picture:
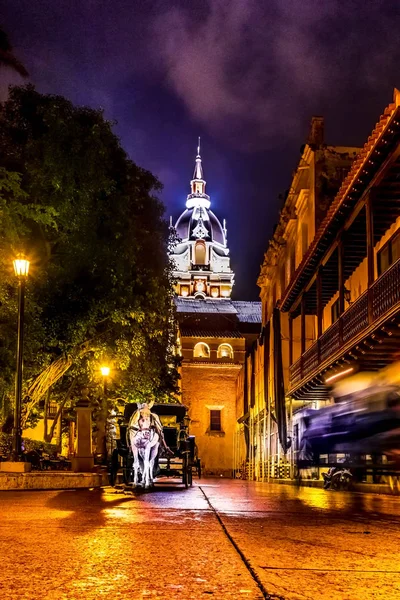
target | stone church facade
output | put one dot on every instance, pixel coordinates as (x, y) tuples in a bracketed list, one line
[(215, 332)]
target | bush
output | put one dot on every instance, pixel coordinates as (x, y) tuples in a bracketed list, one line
[(28, 444)]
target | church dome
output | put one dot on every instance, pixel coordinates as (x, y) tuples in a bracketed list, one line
[(200, 223)]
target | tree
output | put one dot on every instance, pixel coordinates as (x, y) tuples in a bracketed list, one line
[(88, 217)]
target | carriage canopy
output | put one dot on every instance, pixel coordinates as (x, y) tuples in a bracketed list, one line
[(166, 412)]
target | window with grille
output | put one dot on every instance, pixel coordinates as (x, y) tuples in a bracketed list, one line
[(215, 420)]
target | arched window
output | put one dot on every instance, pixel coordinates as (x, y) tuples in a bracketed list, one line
[(201, 350), (200, 253), (225, 351)]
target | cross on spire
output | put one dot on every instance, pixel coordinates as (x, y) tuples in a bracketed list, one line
[(198, 170)]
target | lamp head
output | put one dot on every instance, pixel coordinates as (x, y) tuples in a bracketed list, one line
[(105, 371), (21, 267)]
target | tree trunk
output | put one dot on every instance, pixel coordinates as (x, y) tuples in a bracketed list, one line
[(45, 417), (59, 434), (49, 376), (59, 411)]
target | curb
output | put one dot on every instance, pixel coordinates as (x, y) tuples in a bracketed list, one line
[(366, 488)]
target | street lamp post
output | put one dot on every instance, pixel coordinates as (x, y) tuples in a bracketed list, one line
[(105, 371), (21, 269)]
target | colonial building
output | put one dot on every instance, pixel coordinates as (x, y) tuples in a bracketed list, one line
[(214, 330), (293, 316), (347, 286)]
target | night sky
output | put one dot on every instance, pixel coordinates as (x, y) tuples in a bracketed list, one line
[(244, 75)]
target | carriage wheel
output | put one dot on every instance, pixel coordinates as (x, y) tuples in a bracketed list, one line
[(198, 466)]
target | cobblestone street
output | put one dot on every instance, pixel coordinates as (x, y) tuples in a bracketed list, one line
[(224, 539)]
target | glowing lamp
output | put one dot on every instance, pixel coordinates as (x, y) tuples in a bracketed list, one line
[(214, 292), (21, 267), (184, 290), (338, 375), (200, 286), (105, 371)]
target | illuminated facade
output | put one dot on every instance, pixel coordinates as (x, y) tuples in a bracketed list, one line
[(215, 331), (267, 433), (201, 256), (343, 300)]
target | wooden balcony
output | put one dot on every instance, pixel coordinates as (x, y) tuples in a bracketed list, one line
[(380, 300)]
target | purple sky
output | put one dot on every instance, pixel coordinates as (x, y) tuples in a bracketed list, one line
[(244, 75)]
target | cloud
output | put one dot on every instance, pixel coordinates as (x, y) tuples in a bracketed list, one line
[(254, 71)]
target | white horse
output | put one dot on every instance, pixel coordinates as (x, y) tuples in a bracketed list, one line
[(144, 440)]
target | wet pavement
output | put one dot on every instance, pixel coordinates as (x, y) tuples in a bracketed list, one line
[(220, 539)]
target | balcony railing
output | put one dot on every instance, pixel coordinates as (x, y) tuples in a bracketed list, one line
[(379, 299)]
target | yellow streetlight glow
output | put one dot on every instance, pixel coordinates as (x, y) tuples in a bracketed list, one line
[(21, 267), (105, 371), (340, 374)]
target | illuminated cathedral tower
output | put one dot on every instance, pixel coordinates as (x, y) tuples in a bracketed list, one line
[(201, 257)]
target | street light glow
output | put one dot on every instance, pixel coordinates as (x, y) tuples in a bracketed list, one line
[(340, 374), (105, 371), (21, 267)]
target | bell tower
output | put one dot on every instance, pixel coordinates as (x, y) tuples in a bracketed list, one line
[(201, 257)]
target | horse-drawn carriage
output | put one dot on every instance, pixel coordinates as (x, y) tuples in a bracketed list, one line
[(154, 442)]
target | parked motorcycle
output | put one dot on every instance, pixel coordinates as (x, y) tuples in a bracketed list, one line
[(337, 478)]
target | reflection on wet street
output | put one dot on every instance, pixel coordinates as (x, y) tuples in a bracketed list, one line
[(225, 539)]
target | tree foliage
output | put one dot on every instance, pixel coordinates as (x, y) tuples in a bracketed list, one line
[(100, 285)]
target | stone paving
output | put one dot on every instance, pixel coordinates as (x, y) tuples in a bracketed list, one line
[(220, 539)]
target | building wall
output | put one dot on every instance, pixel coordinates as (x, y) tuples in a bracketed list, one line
[(314, 185), (237, 345), (208, 387)]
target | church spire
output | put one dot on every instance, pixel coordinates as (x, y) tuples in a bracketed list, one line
[(198, 196), (198, 168)]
